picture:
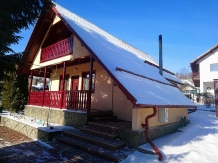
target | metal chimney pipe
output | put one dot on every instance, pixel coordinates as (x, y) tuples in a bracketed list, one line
[(160, 56)]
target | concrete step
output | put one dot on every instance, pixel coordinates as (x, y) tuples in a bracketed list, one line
[(104, 118), (99, 132), (109, 144), (111, 129), (93, 116), (83, 156), (96, 150), (100, 113)]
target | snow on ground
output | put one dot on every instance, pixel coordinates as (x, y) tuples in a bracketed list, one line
[(198, 142)]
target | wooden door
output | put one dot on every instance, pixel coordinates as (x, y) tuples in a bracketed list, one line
[(75, 93), (74, 83)]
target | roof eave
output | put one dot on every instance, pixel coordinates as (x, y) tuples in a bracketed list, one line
[(163, 106), (204, 54)]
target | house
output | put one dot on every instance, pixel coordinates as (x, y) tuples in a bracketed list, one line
[(189, 90), (205, 71), (92, 71)]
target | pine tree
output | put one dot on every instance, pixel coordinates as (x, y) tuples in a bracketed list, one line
[(15, 92), (19, 92), (14, 16), (7, 94)]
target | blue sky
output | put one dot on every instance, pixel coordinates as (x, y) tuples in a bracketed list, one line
[(188, 27)]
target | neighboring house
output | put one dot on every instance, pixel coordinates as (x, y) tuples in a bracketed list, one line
[(91, 70), (205, 70), (189, 90)]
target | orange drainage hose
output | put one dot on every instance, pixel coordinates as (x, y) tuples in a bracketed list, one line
[(147, 137)]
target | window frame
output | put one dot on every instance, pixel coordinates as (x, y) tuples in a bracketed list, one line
[(93, 84), (214, 67)]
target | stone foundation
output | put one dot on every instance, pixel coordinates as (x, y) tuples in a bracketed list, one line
[(33, 132), (136, 138), (58, 116)]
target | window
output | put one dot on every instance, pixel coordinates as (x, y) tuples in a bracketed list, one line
[(85, 85), (213, 67), (66, 87)]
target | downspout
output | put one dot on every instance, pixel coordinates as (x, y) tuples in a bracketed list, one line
[(193, 110), (147, 134)]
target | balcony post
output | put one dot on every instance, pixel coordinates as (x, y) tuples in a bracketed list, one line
[(30, 86), (44, 83), (63, 84), (90, 85)]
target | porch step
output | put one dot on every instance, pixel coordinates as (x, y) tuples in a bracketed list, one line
[(109, 144), (111, 129), (104, 118), (99, 115), (99, 132), (94, 149), (80, 155), (100, 112)]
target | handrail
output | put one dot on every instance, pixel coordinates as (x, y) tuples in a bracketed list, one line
[(71, 99)]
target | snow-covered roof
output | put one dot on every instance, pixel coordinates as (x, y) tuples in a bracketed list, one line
[(145, 84), (188, 81)]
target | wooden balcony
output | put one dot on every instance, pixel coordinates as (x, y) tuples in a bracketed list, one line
[(71, 99), (196, 79), (57, 50), (195, 76)]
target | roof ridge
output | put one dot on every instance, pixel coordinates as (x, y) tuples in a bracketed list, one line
[(109, 36)]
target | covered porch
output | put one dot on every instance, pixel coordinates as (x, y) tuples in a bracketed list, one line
[(77, 99)]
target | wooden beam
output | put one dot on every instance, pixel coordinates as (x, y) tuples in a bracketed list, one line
[(63, 84), (90, 84), (43, 91)]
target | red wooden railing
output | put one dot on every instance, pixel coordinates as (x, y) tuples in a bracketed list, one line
[(71, 99), (57, 50)]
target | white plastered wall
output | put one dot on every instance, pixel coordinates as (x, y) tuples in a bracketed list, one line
[(206, 77)]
